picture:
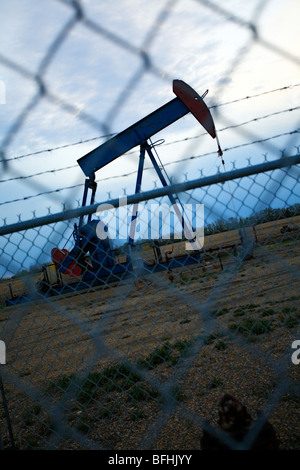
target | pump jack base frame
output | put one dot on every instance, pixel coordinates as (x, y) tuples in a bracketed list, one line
[(119, 273)]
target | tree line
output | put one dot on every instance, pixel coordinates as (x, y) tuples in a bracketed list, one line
[(257, 218)]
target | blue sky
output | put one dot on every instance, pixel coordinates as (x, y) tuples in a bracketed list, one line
[(115, 65)]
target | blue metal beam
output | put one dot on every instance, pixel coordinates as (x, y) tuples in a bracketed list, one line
[(135, 135)]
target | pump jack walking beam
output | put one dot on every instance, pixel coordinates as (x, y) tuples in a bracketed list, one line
[(187, 101)]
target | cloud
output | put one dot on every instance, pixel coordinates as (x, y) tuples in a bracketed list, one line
[(104, 76)]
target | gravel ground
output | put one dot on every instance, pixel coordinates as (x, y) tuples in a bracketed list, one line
[(186, 343)]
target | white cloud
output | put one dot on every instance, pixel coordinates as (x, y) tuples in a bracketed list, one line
[(90, 71)]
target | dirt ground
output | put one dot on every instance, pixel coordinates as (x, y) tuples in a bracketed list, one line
[(143, 364)]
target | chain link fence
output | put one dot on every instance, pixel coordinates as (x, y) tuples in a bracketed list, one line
[(137, 358), (148, 345)]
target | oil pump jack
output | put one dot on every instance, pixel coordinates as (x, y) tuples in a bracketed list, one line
[(102, 265)]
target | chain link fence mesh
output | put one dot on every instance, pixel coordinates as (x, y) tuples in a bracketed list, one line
[(138, 355)]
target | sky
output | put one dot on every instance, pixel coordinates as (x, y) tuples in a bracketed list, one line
[(71, 78)]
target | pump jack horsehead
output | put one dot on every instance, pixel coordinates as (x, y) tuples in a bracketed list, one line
[(103, 265)]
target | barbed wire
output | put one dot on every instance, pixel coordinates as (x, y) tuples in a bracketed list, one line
[(105, 136), (193, 157)]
